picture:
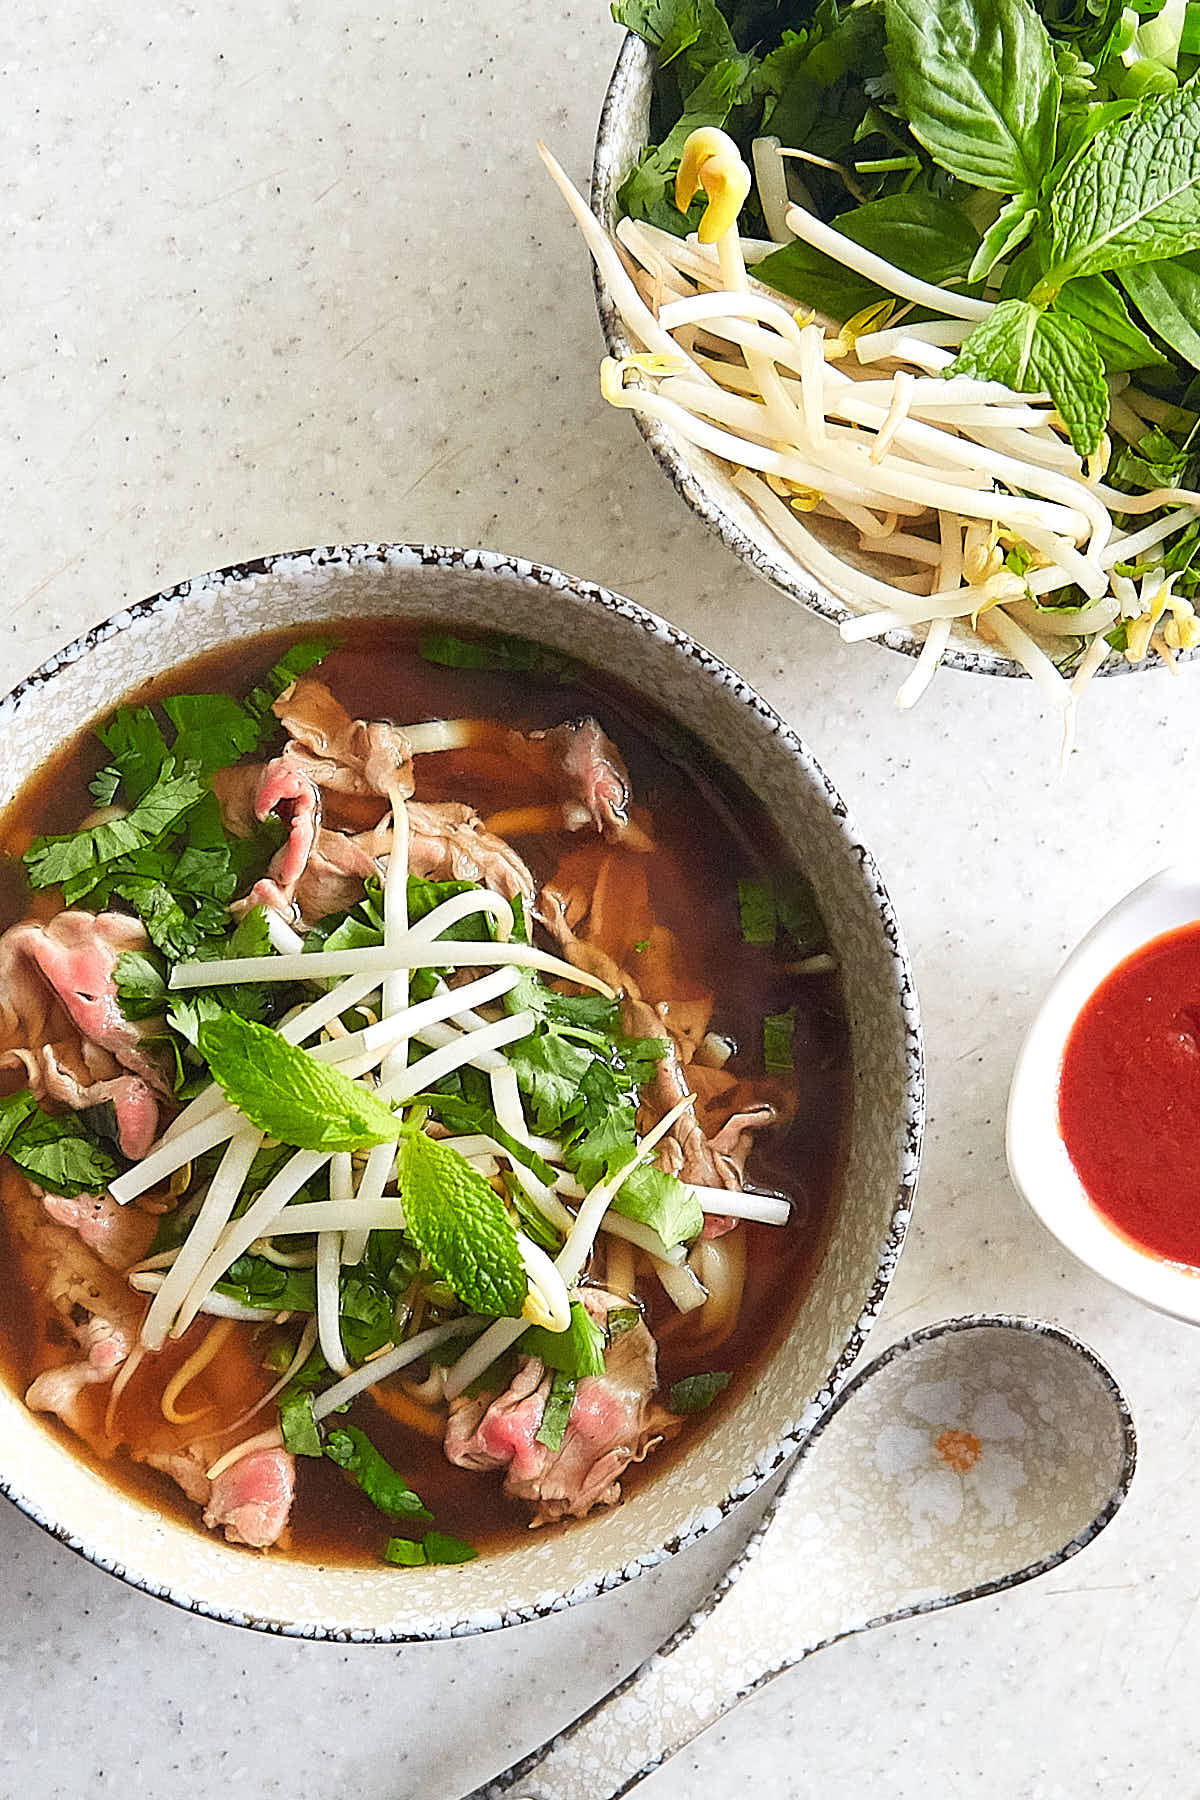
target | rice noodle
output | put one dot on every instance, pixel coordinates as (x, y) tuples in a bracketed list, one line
[(187, 1372)]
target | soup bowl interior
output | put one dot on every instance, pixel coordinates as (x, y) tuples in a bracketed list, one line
[(702, 479), (479, 591)]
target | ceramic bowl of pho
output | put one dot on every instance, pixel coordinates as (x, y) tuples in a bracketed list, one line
[(826, 451), (461, 1108)]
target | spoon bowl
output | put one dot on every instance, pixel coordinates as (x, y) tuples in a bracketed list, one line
[(969, 1457)]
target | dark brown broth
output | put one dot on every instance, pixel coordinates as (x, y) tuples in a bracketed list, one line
[(709, 829)]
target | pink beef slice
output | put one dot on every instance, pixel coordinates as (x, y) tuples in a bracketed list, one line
[(589, 773), (247, 794), (250, 1501), (90, 1300), (345, 755), (614, 1421), (62, 1024)]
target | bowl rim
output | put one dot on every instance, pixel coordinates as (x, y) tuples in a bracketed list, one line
[(973, 659), (909, 1125), (1038, 1160)]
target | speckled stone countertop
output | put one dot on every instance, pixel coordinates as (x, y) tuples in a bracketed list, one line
[(283, 275)]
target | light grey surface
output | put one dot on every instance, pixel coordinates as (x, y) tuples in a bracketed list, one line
[(286, 275)]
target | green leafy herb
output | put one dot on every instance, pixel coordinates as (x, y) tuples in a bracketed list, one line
[(436, 1547), (927, 235), (1098, 305), (660, 1201), (1031, 350), (51, 861), (756, 902), (461, 1227), (557, 1414), (979, 87), (354, 1452), (1167, 294), (799, 913), (293, 663), (298, 1424), (619, 1320), (577, 1351), (505, 655), (778, 1031), (289, 1094), (60, 1154), (1155, 461), (1131, 195), (695, 1392), (257, 1281)]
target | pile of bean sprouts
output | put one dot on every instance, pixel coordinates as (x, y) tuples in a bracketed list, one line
[(932, 481)]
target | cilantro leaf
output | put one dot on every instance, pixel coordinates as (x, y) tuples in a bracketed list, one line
[(461, 1227), (1031, 350), (298, 1424), (577, 1351), (212, 730), (978, 84), (141, 983), (292, 664), (353, 1451), (258, 1282), (695, 1392), (756, 902), (289, 1094), (652, 1197), (556, 1415), (137, 747), (549, 1071), (464, 1118), (59, 1154)]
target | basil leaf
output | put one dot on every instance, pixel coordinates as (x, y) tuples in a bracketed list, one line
[(58, 1153), (353, 1451), (695, 1392), (461, 1227), (1131, 195), (298, 1424), (557, 1413), (577, 1351), (1122, 344), (14, 1110), (290, 1095), (919, 232), (977, 82), (1029, 351), (1167, 294)]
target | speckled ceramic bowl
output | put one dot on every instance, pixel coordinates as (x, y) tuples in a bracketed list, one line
[(699, 478), (477, 589)]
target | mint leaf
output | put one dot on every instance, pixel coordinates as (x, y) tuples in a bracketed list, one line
[(652, 1197), (353, 1451), (461, 1227), (977, 82), (298, 1424), (695, 1392), (1167, 294), (1030, 350), (1122, 344), (1131, 195), (289, 1094), (577, 1351), (556, 1415)]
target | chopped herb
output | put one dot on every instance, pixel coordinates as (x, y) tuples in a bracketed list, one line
[(354, 1452), (295, 662), (695, 1392), (577, 1351), (257, 1281), (621, 1319), (437, 1547), (778, 1031), (756, 901), (59, 1153), (641, 945), (557, 1413), (662, 1202), (505, 655), (298, 1424)]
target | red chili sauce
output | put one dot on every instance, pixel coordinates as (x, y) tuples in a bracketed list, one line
[(1129, 1097)]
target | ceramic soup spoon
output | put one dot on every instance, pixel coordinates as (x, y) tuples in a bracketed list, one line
[(973, 1455)]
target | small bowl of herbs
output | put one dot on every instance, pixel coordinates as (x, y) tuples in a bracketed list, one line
[(902, 295)]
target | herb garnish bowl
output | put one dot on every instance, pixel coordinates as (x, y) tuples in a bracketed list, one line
[(704, 481), (479, 591)]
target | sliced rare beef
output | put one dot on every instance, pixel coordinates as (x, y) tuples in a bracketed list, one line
[(614, 1421), (62, 1024)]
